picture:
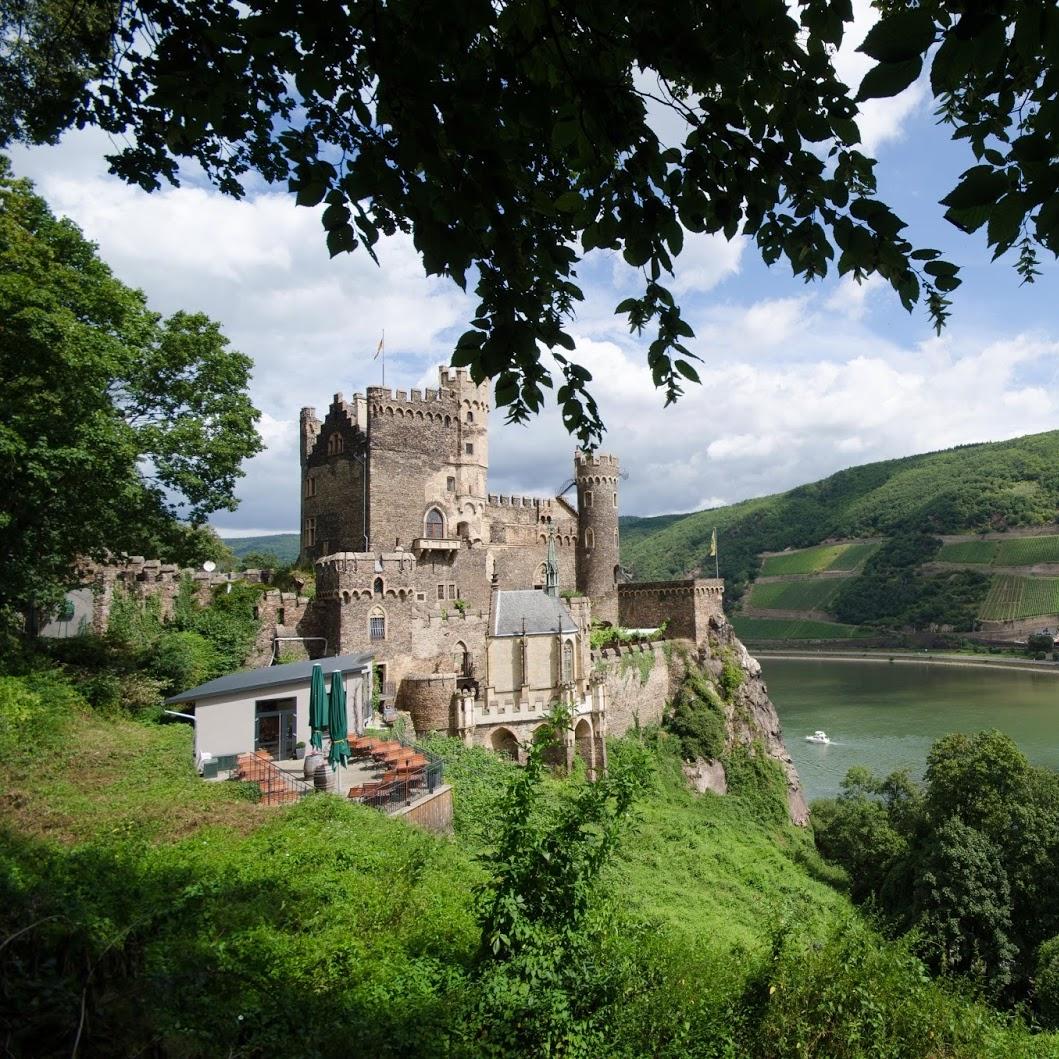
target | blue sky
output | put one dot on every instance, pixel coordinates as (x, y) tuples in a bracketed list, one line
[(798, 381)]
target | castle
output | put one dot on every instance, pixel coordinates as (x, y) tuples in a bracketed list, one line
[(476, 607)]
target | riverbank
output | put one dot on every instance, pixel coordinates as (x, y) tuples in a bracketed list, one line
[(940, 658)]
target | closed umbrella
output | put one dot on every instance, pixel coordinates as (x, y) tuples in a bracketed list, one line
[(318, 707), (339, 753)]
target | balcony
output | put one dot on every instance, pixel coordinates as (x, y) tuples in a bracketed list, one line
[(436, 544)]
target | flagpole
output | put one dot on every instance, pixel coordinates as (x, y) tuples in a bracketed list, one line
[(382, 346)]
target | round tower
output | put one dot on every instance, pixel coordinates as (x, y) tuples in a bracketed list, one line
[(598, 567)]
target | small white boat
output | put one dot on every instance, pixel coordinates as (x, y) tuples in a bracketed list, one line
[(817, 737)]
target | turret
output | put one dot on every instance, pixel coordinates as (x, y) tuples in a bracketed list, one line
[(310, 430), (598, 566)]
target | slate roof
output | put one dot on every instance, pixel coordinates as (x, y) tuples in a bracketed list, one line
[(269, 676), (542, 613)]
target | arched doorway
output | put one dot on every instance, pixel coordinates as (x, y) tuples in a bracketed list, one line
[(584, 744), (554, 755), (504, 742)]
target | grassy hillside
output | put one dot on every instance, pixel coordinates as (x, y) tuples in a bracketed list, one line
[(973, 487), (284, 546), (146, 912)]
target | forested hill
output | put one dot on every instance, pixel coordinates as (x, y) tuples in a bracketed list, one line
[(990, 486)]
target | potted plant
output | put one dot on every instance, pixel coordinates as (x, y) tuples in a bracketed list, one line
[(299, 751)]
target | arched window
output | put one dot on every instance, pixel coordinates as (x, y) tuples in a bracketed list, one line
[(617, 574), (463, 529), (335, 444), (461, 659), (568, 662), (377, 624), (377, 588), (590, 539), (470, 417), (435, 524), (541, 576)]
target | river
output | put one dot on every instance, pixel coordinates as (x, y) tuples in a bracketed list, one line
[(886, 716)]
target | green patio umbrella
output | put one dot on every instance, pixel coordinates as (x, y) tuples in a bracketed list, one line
[(339, 753), (317, 707)]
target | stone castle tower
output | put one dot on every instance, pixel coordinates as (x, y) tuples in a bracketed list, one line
[(598, 563), (376, 467)]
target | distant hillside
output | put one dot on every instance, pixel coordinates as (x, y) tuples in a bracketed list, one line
[(991, 486), (284, 546)]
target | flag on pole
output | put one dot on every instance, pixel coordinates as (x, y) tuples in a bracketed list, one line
[(713, 543), (379, 348)]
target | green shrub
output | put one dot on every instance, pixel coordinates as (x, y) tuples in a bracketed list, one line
[(182, 660), (696, 717), (1047, 983), (758, 779)]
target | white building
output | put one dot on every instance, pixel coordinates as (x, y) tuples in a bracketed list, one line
[(268, 709)]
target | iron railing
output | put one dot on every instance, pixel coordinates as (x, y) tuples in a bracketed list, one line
[(401, 792), (277, 787)]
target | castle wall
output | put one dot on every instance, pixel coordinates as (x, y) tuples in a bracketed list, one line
[(686, 605), (640, 680), (143, 579)]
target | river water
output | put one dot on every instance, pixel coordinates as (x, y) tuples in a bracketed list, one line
[(886, 715)]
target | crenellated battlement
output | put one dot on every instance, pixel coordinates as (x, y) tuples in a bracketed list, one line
[(542, 502), (595, 460)]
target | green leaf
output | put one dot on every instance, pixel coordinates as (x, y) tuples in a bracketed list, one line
[(569, 202), (980, 186), (341, 240), (471, 340), (686, 370), (887, 79), (899, 37)]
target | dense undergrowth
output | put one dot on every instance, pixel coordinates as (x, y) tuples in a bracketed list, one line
[(143, 911)]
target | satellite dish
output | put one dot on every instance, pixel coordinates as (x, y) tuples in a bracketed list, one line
[(209, 566)]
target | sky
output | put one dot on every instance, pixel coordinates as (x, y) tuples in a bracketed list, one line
[(798, 381)]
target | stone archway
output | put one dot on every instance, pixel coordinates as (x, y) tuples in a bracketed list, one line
[(554, 755), (503, 741), (585, 744)]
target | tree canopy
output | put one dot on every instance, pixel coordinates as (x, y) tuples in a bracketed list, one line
[(966, 860), (118, 430), (513, 138)]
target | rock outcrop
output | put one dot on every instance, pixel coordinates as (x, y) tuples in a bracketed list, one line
[(750, 717)]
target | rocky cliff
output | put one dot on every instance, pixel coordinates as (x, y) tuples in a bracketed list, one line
[(750, 719)]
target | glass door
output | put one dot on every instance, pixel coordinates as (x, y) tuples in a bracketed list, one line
[(276, 727), (268, 733)]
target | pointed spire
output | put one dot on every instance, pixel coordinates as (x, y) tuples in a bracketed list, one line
[(551, 568)]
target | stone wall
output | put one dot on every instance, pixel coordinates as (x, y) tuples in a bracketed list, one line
[(688, 606), (641, 679), (428, 700), (143, 579)]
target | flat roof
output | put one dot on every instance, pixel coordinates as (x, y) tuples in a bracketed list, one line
[(531, 611), (270, 676)]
